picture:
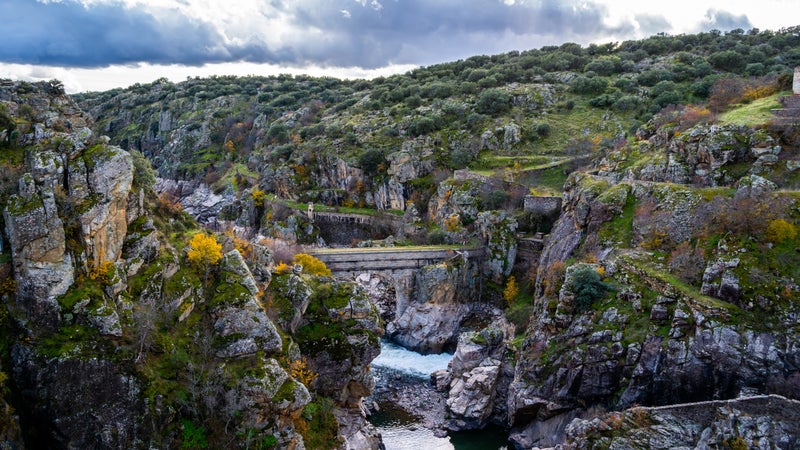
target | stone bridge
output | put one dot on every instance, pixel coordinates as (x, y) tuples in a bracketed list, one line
[(353, 261)]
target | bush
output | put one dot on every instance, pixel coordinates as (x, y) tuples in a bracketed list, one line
[(587, 286), (543, 130), (727, 60), (494, 101), (437, 237), (422, 125), (626, 103), (312, 265), (780, 230), (687, 263), (553, 279), (586, 85), (653, 76), (372, 162), (193, 436)]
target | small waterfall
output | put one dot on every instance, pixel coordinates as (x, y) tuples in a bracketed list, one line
[(397, 358), (403, 430)]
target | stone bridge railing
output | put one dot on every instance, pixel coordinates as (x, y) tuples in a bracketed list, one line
[(333, 217), (352, 261)]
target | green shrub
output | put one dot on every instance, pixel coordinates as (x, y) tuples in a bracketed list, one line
[(494, 101), (193, 436), (437, 237), (586, 85), (587, 286)]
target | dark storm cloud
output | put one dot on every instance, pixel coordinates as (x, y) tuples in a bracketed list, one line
[(723, 20), (420, 31), (345, 32), (69, 34)]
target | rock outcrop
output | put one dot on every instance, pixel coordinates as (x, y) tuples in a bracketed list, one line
[(477, 378), (441, 301), (650, 341), (749, 422)]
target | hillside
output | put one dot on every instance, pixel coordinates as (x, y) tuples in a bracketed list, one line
[(614, 227)]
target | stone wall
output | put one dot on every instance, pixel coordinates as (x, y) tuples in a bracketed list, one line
[(349, 262), (545, 206)]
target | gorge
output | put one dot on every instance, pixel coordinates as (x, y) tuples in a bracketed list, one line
[(599, 253)]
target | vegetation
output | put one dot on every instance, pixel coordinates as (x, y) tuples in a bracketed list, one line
[(312, 265), (204, 252), (587, 286)]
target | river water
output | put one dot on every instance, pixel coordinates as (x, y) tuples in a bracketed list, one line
[(403, 431)]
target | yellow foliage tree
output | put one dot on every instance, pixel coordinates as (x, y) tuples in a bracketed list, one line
[(780, 230), (312, 265), (205, 251), (511, 291), (452, 223)]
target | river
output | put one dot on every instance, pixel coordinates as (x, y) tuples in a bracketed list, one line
[(403, 431)]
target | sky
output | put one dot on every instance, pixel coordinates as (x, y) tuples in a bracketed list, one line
[(93, 45)]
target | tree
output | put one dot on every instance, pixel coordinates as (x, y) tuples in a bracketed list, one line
[(205, 251), (372, 162), (312, 265), (511, 291), (587, 286)]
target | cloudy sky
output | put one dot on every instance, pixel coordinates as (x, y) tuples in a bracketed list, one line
[(101, 44)]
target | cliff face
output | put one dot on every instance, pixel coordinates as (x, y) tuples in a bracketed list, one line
[(646, 295), (119, 341)]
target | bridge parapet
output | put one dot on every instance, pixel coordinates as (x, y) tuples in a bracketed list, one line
[(343, 262)]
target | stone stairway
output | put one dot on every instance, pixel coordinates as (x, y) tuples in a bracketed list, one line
[(790, 113)]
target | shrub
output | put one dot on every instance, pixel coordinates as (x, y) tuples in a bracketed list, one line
[(587, 286), (193, 436), (626, 103), (102, 271), (300, 371), (687, 263), (312, 265), (554, 278), (452, 223), (543, 130), (258, 196), (727, 60), (372, 162), (144, 176), (780, 230), (437, 237), (511, 291), (282, 268), (586, 85), (494, 101), (422, 125)]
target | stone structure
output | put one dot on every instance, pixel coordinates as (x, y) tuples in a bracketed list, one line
[(545, 206), (796, 81), (345, 262)]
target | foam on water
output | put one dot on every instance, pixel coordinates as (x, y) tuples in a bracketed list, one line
[(398, 358)]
